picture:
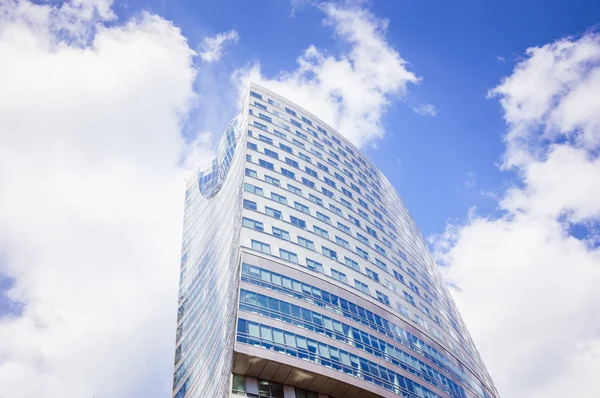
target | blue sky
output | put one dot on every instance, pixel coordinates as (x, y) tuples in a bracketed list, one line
[(484, 115), (453, 47)]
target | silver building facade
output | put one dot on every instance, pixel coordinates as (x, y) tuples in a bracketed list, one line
[(303, 274)]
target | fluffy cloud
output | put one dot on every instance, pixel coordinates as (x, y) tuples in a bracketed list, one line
[(528, 284), (90, 210), (425, 110), (349, 92), (211, 48)]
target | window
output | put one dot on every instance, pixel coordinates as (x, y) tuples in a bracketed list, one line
[(372, 232), (250, 223), (280, 233), (297, 222), (425, 310), (295, 190), (342, 242), (315, 152), (254, 189), (273, 212), (271, 180), (323, 217), (286, 255), (344, 228), (428, 299), (346, 192), (280, 134), (303, 136), (357, 189), (354, 220), (261, 247), (291, 112), (352, 264), (291, 162), (329, 182), (378, 225), (265, 139), (308, 183), (259, 105), (298, 143), (336, 210), (387, 243), (323, 167), (346, 203), (315, 199), (370, 199), (305, 120), (304, 157), (339, 177), (288, 173), (339, 276), (248, 204), (311, 172), (252, 145), (380, 264), (362, 253), (409, 298), (373, 275), (286, 148), (421, 321), (321, 232), (306, 243), (403, 310), (260, 126), (329, 253), (313, 265), (327, 192), (362, 238), (251, 173), (363, 287), (380, 250), (295, 123), (398, 276), (378, 215), (363, 203), (411, 272), (413, 287), (318, 145), (255, 95), (363, 214), (271, 153), (301, 207), (382, 297), (265, 164)]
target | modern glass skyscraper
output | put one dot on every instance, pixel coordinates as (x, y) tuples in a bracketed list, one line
[(303, 274)]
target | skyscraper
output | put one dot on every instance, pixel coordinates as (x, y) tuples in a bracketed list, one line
[(303, 274)]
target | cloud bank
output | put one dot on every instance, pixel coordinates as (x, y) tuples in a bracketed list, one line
[(528, 281), (90, 210)]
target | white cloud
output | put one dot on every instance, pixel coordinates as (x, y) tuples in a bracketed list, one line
[(211, 48), (470, 179), (500, 59), (528, 286), (425, 110), (350, 92), (91, 203)]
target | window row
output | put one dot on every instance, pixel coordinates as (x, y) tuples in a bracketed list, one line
[(272, 338)]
